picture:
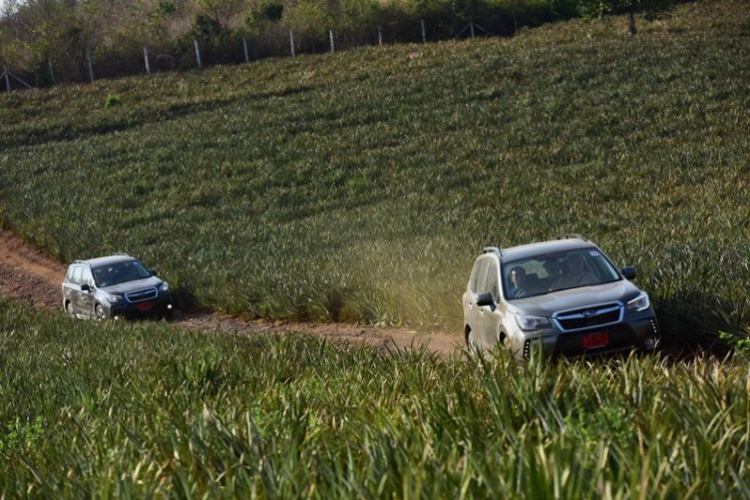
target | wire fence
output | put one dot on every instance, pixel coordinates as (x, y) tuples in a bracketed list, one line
[(197, 53)]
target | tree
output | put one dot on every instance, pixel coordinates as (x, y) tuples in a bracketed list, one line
[(652, 9)]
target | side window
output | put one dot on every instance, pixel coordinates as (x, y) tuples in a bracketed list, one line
[(78, 275), (87, 279), (474, 275), (482, 278), (492, 282)]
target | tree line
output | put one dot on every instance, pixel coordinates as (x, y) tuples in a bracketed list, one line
[(50, 41)]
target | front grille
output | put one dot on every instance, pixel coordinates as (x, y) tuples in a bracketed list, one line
[(141, 295), (590, 317)]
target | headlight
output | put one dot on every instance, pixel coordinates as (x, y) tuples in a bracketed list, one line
[(113, 298), (164, 287), (640, 303), (528, 323)]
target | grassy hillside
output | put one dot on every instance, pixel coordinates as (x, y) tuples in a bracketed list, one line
[(360, 186), (113, 409)]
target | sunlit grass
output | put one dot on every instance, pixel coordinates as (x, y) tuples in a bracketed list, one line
[(144, 409)]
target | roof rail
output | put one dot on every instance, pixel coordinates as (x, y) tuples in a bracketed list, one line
[(571, 236), (496, 250)]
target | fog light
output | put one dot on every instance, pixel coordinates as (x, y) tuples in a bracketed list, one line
[(650, 342), (116, 318), (169, 306)]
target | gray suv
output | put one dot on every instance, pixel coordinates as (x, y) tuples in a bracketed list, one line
[(561, 297), (117, 286)]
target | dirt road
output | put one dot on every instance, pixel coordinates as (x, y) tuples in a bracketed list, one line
[(27, 274)]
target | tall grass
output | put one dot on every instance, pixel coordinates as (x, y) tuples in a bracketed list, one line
[(144, 409), (360, 186)]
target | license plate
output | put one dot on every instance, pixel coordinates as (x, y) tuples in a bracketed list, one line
[(145, 306), (594, 340)]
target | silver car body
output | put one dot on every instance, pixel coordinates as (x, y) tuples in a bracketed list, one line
[(574, 321)]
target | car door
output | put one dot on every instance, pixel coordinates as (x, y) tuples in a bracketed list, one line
[(489, 316), (75, 289), (471, 310), (480, 313), (86, 300)]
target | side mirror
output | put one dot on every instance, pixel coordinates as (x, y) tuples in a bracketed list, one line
[(629, 272), (154, 272), (85, 287), (485, 299)]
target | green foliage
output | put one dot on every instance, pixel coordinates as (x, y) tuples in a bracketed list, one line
[(146, 410), (158, 19), (359, 187), (740, 344), (112, 100), (20, 437), (651, 9)]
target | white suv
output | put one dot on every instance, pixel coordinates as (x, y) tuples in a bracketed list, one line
[(561, 297)]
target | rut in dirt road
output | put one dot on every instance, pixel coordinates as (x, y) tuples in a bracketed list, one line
[(29, 275)]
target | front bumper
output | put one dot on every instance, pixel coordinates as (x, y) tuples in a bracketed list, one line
[(160, 306), (642, 333)]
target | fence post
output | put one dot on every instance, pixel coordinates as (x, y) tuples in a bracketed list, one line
[(51, 71), (244, 48), (471, 28), (197, 53), (333, 47), (91, 67), (380, 35), (145, 59), (291, 41), (424, 31), (7, 78)]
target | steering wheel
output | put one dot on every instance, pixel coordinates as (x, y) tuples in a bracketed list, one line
[(521, 292)]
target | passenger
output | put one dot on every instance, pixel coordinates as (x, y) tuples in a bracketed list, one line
[(554, 270), (518, 279), (577, 273)]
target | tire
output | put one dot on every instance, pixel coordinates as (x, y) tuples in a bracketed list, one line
[(99, 310), (69, 309), (471, 344)]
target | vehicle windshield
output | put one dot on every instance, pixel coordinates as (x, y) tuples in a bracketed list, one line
[(542, 274), (120, 272)]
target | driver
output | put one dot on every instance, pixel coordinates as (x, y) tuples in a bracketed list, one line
[(518, 278)]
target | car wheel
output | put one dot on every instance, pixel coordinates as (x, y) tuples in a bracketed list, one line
[(100, 312), (471, 344), (69, 309)]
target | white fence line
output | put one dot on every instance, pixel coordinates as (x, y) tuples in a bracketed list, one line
[(471, 27)]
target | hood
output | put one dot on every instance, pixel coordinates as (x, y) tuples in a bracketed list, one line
[(132, 286), (575, 298)]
